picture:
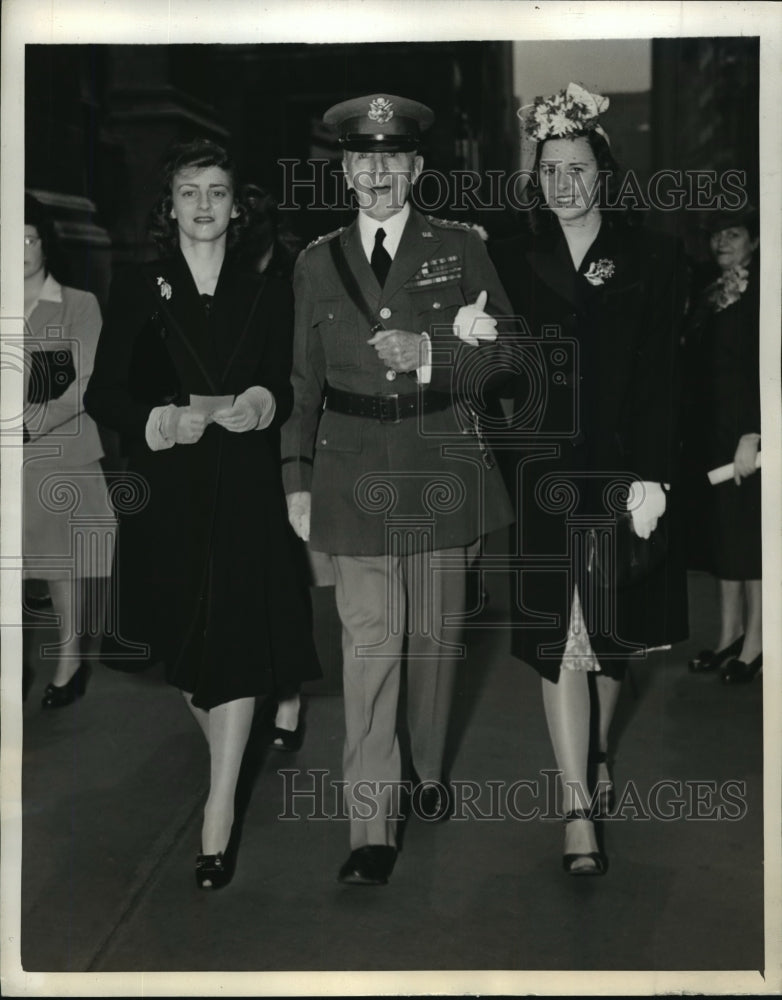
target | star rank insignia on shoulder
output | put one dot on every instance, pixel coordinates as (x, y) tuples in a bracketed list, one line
[(449, 223), (326, 236)]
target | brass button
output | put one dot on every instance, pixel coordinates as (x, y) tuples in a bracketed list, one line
[(390, 374), (331, 315), (385, 312), (435, 305)]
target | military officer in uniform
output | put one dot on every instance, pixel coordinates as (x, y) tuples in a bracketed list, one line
[(383, 467)]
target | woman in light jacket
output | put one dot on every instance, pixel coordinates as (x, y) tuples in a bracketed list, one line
[(68, 523)]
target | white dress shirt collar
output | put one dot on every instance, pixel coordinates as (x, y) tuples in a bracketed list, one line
[(393, 226), (51, 291)]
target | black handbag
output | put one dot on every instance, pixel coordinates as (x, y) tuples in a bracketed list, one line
[(634, 558), (51, 372)]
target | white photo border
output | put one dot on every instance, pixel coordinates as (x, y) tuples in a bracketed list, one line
[(264, 21)]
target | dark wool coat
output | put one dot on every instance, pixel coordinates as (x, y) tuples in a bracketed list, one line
[(419, 482), (595, 403), (724, 404), (205, 572)]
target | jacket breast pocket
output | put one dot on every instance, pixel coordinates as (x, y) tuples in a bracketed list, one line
[(336, 323), (436, 305)]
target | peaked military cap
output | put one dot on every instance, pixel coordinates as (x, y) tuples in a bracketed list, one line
[(380, 122)]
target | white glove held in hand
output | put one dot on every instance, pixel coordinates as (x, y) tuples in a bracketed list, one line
[(299, 506), (181, 425), (646, 504), (252, 410), (473, 325)]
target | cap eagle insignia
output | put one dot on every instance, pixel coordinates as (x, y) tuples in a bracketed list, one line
[(380, 110)]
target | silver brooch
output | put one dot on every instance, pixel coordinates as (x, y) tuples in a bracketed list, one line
[(380, 110), (165, 288)]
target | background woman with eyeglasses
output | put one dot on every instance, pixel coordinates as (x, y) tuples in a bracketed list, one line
[(724, 422), (68, 523)]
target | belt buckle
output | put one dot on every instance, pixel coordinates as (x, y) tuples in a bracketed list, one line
[(388, 414)]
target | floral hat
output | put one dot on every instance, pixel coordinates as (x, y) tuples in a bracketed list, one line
[(566, 114)]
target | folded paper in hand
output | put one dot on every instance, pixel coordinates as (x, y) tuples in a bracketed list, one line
[(209, 405), (725, 472)]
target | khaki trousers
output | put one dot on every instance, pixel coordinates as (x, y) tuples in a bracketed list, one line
[(390, 607)]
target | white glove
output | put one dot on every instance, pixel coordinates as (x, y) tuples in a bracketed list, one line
[(299, 506), (170, 425), (473, 325), (646, 504), (252, 410)]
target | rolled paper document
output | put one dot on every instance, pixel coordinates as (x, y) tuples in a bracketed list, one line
[(725, 472)]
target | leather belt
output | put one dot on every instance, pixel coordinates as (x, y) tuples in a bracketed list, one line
[(389, 409)]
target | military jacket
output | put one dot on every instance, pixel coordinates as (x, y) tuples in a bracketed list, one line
[(380, 486)]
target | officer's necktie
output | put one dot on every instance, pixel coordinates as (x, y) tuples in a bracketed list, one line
[(381, 259)]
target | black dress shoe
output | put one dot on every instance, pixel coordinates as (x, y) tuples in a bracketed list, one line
[(572, 863), (432, 801), (738, 672), (59, 696), (36, 594), (212, 871), (289, 739), (708, 661), (369, 865)]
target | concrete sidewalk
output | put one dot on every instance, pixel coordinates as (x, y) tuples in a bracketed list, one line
[(114, 787)]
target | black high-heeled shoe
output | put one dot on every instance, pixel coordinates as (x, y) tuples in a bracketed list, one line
[(707, 660), (736, 671), (599, 864), (58, 696), (290, 739), (212, 871), (603, 796)]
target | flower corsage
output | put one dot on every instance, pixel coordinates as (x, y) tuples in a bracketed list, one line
[(165, 288), (599, 271), (728, 288)]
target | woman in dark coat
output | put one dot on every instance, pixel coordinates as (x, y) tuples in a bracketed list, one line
[(192, 369), (723, 344), (593, 439)]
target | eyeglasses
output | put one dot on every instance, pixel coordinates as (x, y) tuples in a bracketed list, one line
[(32, 241)]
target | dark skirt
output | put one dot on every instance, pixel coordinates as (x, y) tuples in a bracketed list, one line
[(206, 577), (623, 623), (735, 536)]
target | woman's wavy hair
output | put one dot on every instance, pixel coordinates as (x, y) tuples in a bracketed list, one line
[(610, 176), (195, 155), (36, 214)]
